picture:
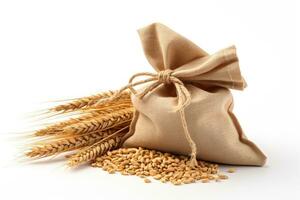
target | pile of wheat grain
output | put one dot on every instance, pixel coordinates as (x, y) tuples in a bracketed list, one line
[(165, 167)]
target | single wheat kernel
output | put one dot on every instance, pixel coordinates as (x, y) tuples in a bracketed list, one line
[(178, 182), (157, 177), (205, 181), (163, 180), (203, 176), (231, 170), (222, 176), (146, 180), (186, 181), (174, 182), (211, 177), (124, 173)]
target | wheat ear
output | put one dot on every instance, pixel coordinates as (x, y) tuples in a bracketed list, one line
[(90, 153), (85, 116), (88, 101), (103, 122), (67, 143)]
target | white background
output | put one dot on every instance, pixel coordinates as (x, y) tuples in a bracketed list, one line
[(62, 49)]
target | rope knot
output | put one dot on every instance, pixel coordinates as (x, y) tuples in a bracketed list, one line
[(165, 76)]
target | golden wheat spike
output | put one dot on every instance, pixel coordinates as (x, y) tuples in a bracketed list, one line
[(85, 116), (98, 149), (88, 101), (102, 122), (68, 143)]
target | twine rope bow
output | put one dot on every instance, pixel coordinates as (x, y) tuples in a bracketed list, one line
[(157, 79)]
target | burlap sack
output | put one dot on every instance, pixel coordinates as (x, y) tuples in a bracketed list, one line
[(212, 126)]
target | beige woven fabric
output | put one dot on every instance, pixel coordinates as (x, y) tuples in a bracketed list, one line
[(210, 121)]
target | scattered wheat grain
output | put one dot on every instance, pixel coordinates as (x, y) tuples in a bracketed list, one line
[(165, 167)]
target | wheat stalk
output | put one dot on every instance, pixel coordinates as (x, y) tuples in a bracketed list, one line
[(108, 104), (102, 122), (67, 143), (90, 153), (85, 116), (89, 101)]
